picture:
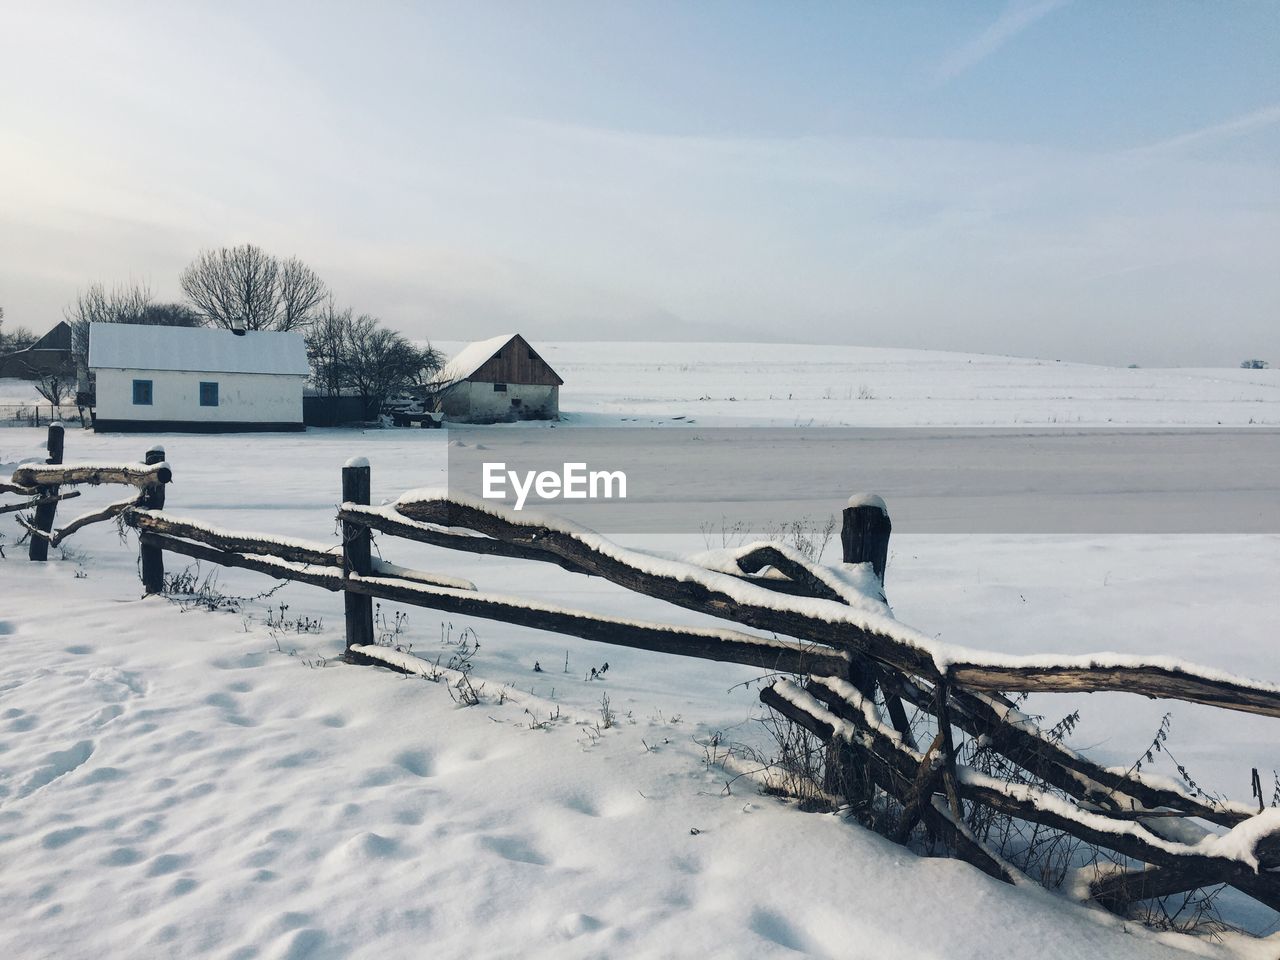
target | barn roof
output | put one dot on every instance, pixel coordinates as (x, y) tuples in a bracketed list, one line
[(126, 346), (468, 361)]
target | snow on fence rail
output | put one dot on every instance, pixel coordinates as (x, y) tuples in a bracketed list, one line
[(830, 628)]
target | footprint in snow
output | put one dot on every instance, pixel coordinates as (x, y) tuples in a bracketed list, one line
[(367, 846), (418, 762), (774, 927), (56, 765), (576, 924), (514, 849)]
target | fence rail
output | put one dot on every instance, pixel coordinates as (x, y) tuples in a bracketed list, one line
[(36, 413), (830, 629)]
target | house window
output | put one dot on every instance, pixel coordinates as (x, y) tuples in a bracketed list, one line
[(208, 394), (499, 388), (142, 393)]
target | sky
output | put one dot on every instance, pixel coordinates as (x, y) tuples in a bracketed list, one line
[(1069, 180)]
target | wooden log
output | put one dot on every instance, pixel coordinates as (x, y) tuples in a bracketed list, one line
[(920, 795), (438, 536), (110, 511), (235, 541), (942, 710), (1148, 680), (727, 646), (1135, 841), (967, 847), (357, 545), (51, 475), (151, 558), (30, 504), (802, 579), (1119, 890), (42, 522), (698, 589), (890, 684), (7, 487), (982, 715)]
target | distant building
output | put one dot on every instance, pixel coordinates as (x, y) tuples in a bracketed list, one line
[(1254, 365), (48, 356), (498, 380), (195, 379)]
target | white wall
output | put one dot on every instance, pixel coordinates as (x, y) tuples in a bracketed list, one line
[(175, 395), (479, 402)]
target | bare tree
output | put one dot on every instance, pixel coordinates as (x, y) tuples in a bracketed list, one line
[(18, 338), (430, 362), (327, 347), (122, 304), (56, 387), (301, 293), (170, 315), (246, 288), (378, 362)]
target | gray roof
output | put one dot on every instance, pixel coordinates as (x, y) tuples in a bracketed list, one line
[(126, 346)]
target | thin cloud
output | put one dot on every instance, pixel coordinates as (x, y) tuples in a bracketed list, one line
[(1235, 127), (1016, 18)]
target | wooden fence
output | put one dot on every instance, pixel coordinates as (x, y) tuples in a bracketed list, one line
[(855, 677)]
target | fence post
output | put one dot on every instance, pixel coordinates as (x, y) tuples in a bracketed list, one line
[(152, 557), (865, 533), (864, 537), (357, 553), (39, 549)]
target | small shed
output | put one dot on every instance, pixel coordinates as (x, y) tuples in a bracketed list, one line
[(195, 379), (498, 380)]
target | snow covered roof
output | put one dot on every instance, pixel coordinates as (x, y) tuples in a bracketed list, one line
[(125, 346), (471, 358)]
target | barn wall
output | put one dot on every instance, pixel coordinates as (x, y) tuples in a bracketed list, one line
[(243, 398), (476, 401)]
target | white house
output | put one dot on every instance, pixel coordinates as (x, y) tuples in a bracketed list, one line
[(499, 379), (197, 379)]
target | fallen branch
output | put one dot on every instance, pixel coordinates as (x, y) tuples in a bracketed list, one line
[(55, 498), (108, 512)]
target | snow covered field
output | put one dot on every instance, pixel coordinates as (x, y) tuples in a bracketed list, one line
[(186, 783), (774, 384)]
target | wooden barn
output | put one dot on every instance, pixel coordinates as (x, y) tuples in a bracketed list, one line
[(498, 380), (48, 356)]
